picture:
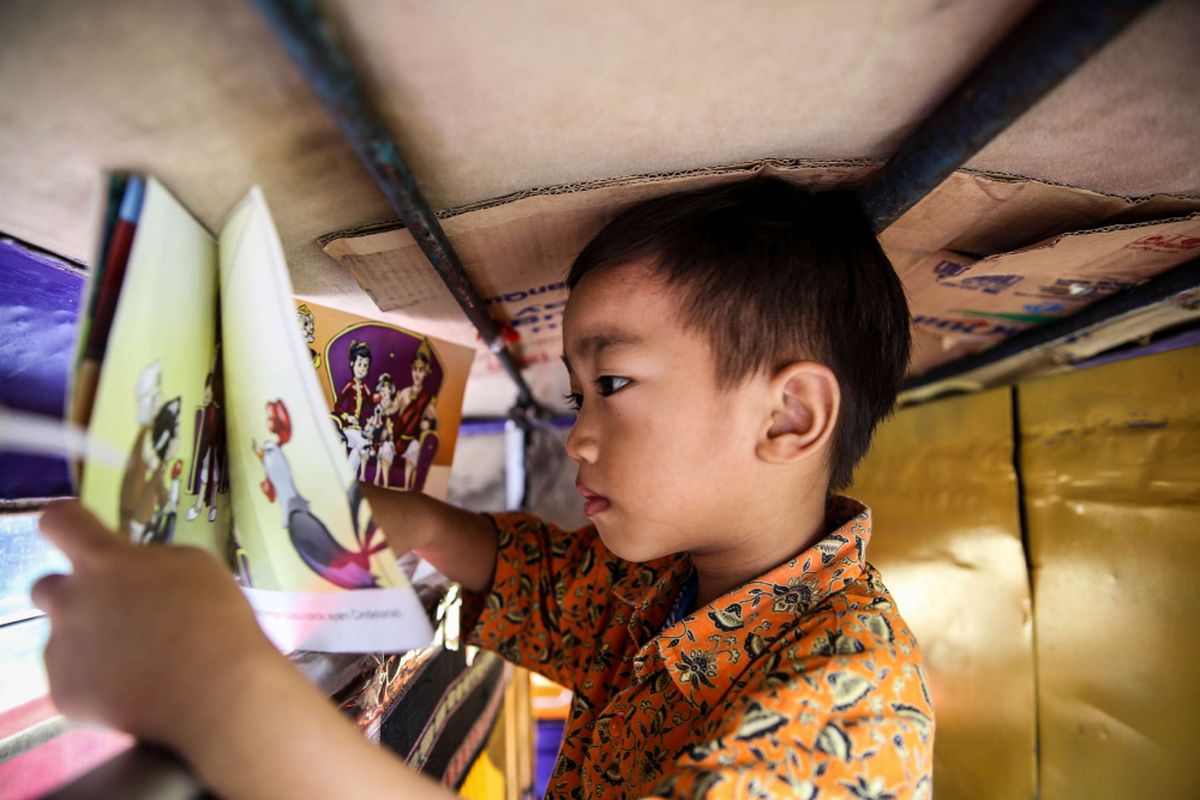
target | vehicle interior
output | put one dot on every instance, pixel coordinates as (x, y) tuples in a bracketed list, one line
[(1032, 170)]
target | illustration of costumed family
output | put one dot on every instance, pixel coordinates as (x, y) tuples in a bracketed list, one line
[(375, 428)]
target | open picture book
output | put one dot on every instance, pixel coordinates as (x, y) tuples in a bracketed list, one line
[(246, 420)]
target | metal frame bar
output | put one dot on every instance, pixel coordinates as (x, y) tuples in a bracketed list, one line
[(1045, 47), (1166, 285), (299, 26)]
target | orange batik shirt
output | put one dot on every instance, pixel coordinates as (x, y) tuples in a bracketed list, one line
[(804, 682)]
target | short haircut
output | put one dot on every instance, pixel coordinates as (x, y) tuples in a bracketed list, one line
[(359, 350), (771, 273)]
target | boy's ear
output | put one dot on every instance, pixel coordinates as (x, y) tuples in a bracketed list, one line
[(804, 398)]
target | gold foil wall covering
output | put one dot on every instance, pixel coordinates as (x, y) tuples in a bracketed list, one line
[(947, 538), (1111, 463), (1109, 469)]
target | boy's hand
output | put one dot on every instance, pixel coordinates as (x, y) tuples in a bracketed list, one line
[(461, 544), (156, 641)]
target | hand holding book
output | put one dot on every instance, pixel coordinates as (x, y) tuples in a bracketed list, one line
[(244, 440)]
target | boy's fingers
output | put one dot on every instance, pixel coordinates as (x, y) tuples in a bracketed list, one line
[(47, 592), (74, 530)]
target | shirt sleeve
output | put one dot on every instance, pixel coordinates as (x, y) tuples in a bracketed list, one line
[(549, 600)]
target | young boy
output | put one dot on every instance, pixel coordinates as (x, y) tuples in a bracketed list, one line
[(730, 352)]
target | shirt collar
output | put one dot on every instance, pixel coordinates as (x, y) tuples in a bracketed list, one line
[(703, 652)]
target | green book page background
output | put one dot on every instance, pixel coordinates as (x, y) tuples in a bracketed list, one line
[(267, 360), (160, 348)]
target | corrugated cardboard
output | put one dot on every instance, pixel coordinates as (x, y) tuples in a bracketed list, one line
[(1064, 353), (517, 249), (979, 214), (973, 303)]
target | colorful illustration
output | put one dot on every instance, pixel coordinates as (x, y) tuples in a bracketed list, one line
[(308, 326), (390, 434), (309, 535), (382, 429), (352, 410), (209, 473), (203, 338), (147, 509), (415, 421)]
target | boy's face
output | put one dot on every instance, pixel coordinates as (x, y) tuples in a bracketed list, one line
[(665, 456)]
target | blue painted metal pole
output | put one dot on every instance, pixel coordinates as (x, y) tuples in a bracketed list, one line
[(300, 28), (1045, 47)]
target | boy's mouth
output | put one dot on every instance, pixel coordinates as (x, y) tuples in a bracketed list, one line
[(593, 503)]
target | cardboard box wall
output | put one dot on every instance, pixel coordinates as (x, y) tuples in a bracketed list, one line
[(970, 304), (517, 248)]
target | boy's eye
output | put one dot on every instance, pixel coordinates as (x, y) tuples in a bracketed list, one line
[(605, 386), (610, 384)]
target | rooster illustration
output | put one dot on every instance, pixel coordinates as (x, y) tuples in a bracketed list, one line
[(324, 555)]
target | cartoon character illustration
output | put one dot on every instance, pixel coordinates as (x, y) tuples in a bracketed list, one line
[(414, 426), (161, 528), (324, 555), (353, 408), (353, 405), (147, 507), (209, 474), (308, 326), (394, 440), (387, 405)]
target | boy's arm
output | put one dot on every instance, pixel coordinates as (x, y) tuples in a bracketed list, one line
[(461, 544), (159, 642), (282, 739)]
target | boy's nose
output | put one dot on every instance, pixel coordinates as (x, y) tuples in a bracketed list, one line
[(581, 444)]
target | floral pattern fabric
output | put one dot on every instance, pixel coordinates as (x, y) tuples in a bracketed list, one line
[(804, 682)]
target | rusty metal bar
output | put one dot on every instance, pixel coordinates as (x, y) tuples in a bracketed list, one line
[(301, 29), (1046, 46)]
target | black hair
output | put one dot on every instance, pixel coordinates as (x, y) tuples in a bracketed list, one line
[(771, 273), (166, 427), (359, 349)]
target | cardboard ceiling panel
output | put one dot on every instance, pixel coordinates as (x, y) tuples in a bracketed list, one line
[(198, 94), (486, 100), (517, 250), (483, 99), (1126, 122), (973, 304), (982, 257)]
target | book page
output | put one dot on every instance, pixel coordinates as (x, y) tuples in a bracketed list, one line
[(318, 570), (158, 389), (395, 397)]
